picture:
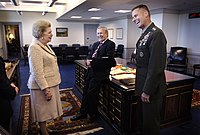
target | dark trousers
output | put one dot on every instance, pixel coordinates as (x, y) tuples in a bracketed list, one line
[(5, 113), (5, 122), (149, 116), (90, 97)]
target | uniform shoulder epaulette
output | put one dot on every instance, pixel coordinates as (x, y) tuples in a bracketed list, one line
[(154, 29)]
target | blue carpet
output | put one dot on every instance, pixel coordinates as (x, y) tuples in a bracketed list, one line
[(67, 73)]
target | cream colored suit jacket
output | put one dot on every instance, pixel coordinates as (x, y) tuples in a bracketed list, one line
[(44, 71)]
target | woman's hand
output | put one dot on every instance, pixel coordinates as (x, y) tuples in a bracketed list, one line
[(16, 88), (47, 94)]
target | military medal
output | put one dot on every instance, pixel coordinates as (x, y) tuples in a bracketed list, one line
[(141, 54)]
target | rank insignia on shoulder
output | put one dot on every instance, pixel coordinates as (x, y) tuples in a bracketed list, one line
[(154, 28)]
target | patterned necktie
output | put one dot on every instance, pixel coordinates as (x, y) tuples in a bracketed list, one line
[(94, 55)]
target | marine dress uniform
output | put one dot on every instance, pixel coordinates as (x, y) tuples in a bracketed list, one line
[(150, 76)]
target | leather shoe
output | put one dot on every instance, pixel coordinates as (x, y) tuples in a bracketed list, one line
[(78, 117)]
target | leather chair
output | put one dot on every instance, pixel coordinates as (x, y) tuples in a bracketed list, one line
[(119, 51), (83, 52), (63, 46), (59, 53), (76, 45), (70, 53), (177, 60), (132, 62)]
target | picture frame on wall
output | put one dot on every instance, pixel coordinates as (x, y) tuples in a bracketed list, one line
[(61, 32), (119, 33), (110, 33)]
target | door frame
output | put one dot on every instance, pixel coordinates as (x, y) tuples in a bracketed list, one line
[(3, 36)]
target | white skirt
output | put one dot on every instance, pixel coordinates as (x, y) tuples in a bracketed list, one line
[(43, 110)]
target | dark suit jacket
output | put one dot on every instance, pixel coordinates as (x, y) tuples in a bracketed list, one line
[(150, 61), (7, 92), (105, 60)]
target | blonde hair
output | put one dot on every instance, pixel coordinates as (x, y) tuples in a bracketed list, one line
[(39, 27)]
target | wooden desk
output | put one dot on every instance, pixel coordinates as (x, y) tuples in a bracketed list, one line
[(117, 103)]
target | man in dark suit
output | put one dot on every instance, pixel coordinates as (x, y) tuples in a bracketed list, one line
[(7, 93), (99, 64), (150, 75)]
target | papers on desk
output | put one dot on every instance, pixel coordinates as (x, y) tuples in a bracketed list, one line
[(127, 79), (125, 75), (117, 71)]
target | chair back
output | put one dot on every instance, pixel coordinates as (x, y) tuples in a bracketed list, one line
[(119, 51), (70, 53), (63, 46), (177, 60), (178, 55), (57, 51), (76, 45), (120, 48), (69, 50), (83, 52)]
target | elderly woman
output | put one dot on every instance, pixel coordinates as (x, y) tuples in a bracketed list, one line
[(44, 77)]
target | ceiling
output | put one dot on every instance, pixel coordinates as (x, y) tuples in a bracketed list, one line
[(80, 7)]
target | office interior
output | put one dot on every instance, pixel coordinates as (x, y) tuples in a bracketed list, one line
[(179, 28)]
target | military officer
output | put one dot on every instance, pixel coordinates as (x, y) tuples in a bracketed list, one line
[(150, 65)]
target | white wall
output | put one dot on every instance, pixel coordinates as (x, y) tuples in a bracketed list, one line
[(118, 24), (179, 30), (189, 34), (157, 19), (170, 28), (133, 34), (75, 30), (130, 34)]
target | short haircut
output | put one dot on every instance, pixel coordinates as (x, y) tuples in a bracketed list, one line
[(104, 28), (39, 27), (142, 7)]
